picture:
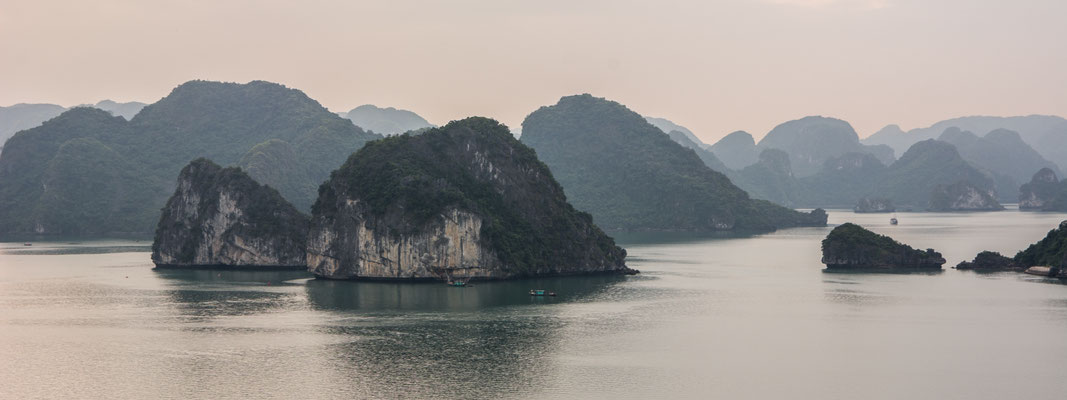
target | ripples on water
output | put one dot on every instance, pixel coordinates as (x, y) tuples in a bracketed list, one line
[(742, 317)]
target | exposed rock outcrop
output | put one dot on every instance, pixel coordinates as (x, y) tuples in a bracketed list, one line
[(874, 205), (963, 196), (851, 247), (220, 217), (988, 261), (1041, 192), (464, 201)]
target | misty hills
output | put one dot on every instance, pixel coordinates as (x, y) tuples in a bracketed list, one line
[(88, 172), (737, 150), (667, 126), (385, 121), (1047, 134), (811, 141), (25, 116), (629, 175), (842, 181)]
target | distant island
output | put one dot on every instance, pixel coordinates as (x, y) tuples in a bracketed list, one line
[(385, 121), (850, 247), (631, 176)]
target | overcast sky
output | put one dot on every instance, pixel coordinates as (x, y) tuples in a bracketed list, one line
[(713, 66)]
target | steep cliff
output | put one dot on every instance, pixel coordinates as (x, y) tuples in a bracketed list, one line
[(466, 200), (850, 247), (874, 205), (220, 217), (962, 196), (1041, 192)]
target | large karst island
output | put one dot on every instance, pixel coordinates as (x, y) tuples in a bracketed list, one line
[(850, 247), (464, 201)]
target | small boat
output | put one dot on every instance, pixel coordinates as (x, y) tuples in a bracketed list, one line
[(893, 221), (1042, 271), (457, 283), (27, 244), (553, 294), (538, 292)]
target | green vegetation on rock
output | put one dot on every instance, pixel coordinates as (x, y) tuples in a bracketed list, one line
[(629, 175), (399, 185), (850, 246), (125, 170)]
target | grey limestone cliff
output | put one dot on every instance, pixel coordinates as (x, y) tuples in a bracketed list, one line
[(220, 217), (465, 201), (963, 196)]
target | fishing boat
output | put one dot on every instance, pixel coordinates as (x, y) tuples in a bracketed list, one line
[(27, 244), (538, 292), (893, 221), (457, 283)]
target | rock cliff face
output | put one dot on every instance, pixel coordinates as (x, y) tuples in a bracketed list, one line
[(874, 205), (466, 200), (1041, 192), (963, 196), (850, 247), (220, 217)]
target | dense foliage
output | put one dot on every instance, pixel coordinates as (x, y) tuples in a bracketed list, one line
[(474, 165), (1051, 251), (115, 175), (630, 175), (850, 245)]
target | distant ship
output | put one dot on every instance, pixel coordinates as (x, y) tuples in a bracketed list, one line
[(893, 221)]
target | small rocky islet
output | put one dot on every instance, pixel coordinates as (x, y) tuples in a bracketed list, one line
[(850, 247), (464, 201)]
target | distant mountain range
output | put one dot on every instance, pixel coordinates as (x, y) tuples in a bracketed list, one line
[(87, 172), (909, 182), (25, 116), (1047, 134), (385, 121)]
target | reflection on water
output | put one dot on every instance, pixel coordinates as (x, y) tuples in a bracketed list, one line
[(744, 317), (358, 296)]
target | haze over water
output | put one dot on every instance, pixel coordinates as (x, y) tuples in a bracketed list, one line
[(751, 317)]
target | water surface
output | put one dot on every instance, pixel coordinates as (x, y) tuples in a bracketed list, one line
[(750, 317)]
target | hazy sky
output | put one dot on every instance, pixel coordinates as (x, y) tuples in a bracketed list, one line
[(713, 66)]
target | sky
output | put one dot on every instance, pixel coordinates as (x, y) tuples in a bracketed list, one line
[(714, 66)]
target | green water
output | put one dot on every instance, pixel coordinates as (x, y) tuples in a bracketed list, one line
[(709, 317)]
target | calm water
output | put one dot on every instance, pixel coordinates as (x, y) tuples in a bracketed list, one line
[(709, 317)]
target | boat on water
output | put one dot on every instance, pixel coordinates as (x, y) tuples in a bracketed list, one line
[(27, 244), (1043, 270), (541, 292), (893, 221), (457, 283)]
